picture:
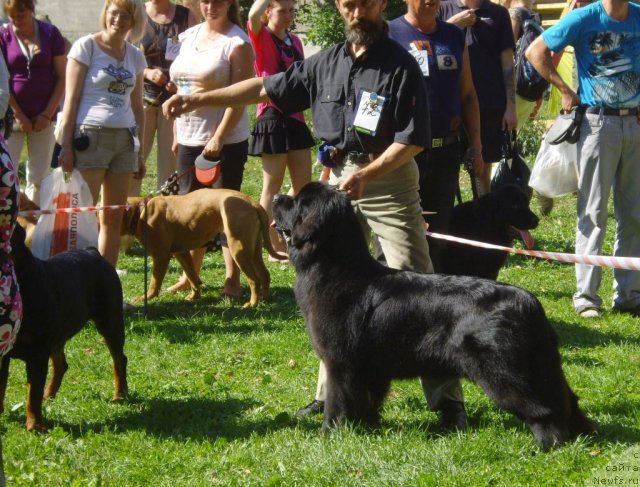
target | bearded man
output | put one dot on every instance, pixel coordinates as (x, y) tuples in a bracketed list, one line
[(369, 103)]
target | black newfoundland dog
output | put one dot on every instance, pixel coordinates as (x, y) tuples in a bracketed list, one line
[(371, 324)]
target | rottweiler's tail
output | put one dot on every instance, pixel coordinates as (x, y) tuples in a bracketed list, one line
[(266, 239)]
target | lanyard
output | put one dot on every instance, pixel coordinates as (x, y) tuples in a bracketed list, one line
[(29, 51)]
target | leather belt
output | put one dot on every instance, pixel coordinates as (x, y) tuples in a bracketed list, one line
[(443, 141), (614, 112), (356, 157)]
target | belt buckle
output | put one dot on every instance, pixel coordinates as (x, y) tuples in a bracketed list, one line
[(623, 112), (435, 143), (352, 156)]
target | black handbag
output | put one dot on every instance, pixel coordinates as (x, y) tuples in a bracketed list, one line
[(512, 168), (6, 123), (566, 127)]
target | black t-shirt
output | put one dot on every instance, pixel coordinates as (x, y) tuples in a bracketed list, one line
[(486, 40), (154, 44), (333, 85)]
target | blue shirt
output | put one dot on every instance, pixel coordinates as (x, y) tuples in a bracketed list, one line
[(444, 50), (607, 52)]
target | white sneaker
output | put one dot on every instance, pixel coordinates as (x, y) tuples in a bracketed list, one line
[(589, 313)]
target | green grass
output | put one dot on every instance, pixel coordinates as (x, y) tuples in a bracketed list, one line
[(214, 389)]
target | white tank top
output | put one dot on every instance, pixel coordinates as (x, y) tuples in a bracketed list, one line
[(196, 71)]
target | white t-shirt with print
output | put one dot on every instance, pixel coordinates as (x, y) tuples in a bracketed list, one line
[(196, 71), (106, 93)]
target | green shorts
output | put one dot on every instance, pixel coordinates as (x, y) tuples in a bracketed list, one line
[(109, 148)]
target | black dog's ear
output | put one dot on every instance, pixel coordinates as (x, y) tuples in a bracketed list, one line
[(487, 204), (18, 247), (315, 204), (308, 230), (19, 234)]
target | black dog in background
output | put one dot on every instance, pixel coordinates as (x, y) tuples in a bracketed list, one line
[(370, 324), (59, 296), (490, 219)]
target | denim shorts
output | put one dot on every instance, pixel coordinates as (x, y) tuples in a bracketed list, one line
[(109, 148)]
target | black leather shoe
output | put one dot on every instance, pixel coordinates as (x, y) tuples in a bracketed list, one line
[(632, 311), (453, 417), (314, 407)]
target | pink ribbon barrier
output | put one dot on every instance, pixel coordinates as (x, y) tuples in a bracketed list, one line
[(628, 263), (79, 209)]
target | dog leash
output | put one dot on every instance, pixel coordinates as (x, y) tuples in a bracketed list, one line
[(169, 187)]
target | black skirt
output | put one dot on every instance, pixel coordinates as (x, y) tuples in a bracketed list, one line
[(276, 134)]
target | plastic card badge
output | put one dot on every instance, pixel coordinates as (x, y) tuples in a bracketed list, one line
[(367, 116), (422, 57), (173, 49)]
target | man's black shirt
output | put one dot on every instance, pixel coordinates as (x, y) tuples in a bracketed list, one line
[(331, 84)]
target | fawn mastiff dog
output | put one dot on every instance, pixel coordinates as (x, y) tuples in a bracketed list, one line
[(177, 224), (370, 324)]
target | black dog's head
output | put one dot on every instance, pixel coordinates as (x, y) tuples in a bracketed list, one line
[(509, 206), (315, 222)]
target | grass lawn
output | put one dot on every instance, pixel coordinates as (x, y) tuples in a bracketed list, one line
[(214, 389)]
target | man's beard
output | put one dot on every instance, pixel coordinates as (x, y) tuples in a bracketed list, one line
[(363, 32)]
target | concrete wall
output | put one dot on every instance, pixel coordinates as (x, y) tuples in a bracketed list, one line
[(74, 18)]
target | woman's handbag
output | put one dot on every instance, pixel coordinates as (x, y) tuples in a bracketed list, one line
[(512, 168)]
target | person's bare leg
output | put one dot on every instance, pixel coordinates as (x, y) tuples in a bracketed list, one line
[(115, 188), (299, 165), (273, 169)]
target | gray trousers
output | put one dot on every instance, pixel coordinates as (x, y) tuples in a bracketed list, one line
[(390, 207), (608, 156)]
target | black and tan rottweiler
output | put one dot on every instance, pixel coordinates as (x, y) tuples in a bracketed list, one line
[(59, 296)]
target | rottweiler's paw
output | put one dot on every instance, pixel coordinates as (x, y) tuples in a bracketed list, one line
[(48, 395), (36, 426), (119, 396)]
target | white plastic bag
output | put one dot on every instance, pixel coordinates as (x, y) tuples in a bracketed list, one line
[(555, 172), (64, 231)]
